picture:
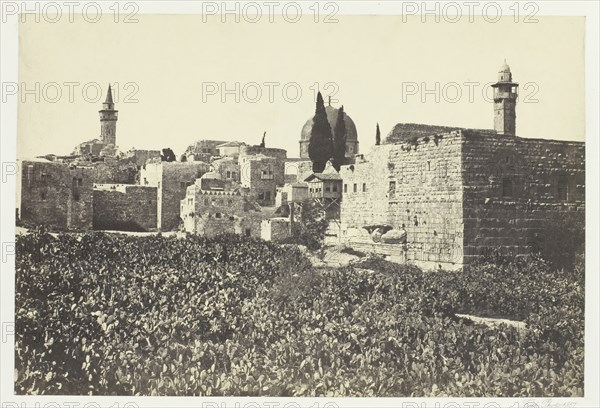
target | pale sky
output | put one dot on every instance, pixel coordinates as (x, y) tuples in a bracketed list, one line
[(370, 58)]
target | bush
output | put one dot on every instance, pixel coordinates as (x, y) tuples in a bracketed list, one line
[(310, 230), (104, 314)]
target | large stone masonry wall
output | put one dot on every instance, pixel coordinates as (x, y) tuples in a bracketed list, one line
[(514, 187), (56, 195), (125, 207), (427, 199)]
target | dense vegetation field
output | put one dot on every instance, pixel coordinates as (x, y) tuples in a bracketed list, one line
[(107, 314)]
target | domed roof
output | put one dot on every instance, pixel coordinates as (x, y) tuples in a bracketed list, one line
[(332, 114), (505, 67)]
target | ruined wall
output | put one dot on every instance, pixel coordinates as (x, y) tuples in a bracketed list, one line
[(140, 157), (56, 195), (125, 207), (204, 147), (514, 187), (123, 171), (416, 184)]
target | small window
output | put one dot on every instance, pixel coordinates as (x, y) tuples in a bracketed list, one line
[(206, 201), (217, 215), (364, 187), (267, 173), (507, 187), (248, 232), (345, 188), (392, 188), (228, 175), (233, 174), (355, 187)]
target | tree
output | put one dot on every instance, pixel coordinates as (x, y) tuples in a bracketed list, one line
[(320, 145), (339, 140), (377, 136), (168, 155), (309, 230), (262, 144)]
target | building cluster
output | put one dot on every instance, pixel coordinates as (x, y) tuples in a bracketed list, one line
[(433, 195)]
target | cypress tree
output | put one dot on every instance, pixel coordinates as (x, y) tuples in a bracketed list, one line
[(262, 144), (320, 145), (377, 136), (339, 140)]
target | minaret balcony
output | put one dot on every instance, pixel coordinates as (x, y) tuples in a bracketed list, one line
[(505, 95)]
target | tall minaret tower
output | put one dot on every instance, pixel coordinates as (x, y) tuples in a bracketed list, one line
[(505, 100), (108, 120)]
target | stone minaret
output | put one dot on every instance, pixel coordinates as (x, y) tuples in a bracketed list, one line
[(505, 101), (108, 120)]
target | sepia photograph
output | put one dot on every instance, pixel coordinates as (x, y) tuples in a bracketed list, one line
[(316, 204)]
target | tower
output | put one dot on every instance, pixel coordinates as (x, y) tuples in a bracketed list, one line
[(108, 120), (505, 101)]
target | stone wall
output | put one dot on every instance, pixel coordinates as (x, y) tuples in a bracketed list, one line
[(279, 164), (124, 171), (204, 147), (301, 169), (171, 180), (259, 173), (416, 184), (140, 157), (275, 229), (463, 194), (211, 213), (125, 207), (56, 195), (228, 169), (514, 187)]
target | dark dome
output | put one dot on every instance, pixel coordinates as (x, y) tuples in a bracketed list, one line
[(332, 114)]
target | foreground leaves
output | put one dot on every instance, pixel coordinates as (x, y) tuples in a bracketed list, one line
[(106, 314)]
